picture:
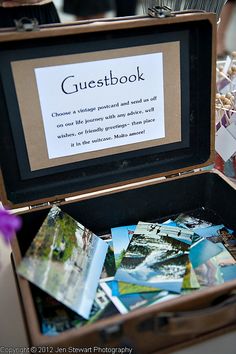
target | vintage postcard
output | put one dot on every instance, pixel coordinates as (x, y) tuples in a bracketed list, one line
[(165, 230), (109, 268), (154, 258), (191, 222), (226, 237), (189, 282), (65, 260), (214, 270), (130, 302), (202, 251), (121, 237), (228, 272), (55, 318), (212, 233)]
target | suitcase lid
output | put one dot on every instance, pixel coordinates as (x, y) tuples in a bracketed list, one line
[(92, 105)]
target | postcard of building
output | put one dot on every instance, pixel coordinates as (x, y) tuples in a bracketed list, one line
[(153, 259), (65, 260), (130, 302)]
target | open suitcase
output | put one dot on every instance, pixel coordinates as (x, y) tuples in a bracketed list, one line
[(152, 178)]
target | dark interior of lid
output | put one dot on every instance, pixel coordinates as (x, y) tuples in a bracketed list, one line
[(23, 184)]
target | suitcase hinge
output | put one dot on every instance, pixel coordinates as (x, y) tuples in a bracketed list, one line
[(160, 12), (57, 202), (189, 171), (51, 204), (26, 24), (36, 206), (183, 173)]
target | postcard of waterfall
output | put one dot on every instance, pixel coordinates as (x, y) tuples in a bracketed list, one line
[(65, 260), (154, 258)]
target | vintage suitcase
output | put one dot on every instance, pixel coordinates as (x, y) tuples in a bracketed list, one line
[(165, 72)]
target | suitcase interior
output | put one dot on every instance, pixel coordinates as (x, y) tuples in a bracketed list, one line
[(205, 195)]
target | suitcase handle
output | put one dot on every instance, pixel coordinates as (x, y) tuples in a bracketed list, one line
[(193, 322)]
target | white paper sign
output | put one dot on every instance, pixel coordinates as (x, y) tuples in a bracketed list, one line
[(101, 104), (225, 144)]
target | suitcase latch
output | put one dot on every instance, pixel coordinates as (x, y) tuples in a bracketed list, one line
[(111, 332), (160, 12), (158, 322), (26, 24)]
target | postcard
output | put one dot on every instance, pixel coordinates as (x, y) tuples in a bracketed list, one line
[(202, 251), (55, 318), (190, 280), (228, 272), (211, 272), (130, 302), (212, 233), (227, 238), (179, 233), (65, 260), (154, 259), (128, 288), (121, 237), (191, 222), (109, 268)]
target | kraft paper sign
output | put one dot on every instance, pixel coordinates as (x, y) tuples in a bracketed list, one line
[(86, 106)]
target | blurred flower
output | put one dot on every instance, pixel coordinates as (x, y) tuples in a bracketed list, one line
[(9, 223)]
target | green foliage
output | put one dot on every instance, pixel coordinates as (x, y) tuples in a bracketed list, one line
[(127, 288), (119, 259), (109, 264)]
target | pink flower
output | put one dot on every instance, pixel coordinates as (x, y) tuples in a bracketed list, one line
[(9, 223)]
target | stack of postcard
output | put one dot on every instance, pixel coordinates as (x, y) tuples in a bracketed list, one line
[(85, 277)]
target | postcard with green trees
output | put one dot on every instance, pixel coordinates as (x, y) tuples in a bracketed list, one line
[(65, 260)]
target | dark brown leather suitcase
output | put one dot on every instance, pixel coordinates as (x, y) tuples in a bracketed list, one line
[(147, 180)]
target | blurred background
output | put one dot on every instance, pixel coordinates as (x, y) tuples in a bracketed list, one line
[(230, 35)]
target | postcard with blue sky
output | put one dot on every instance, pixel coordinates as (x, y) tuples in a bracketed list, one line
[(212, 233), (121, 237), (202, 251), (65, 260), (154, 258)]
